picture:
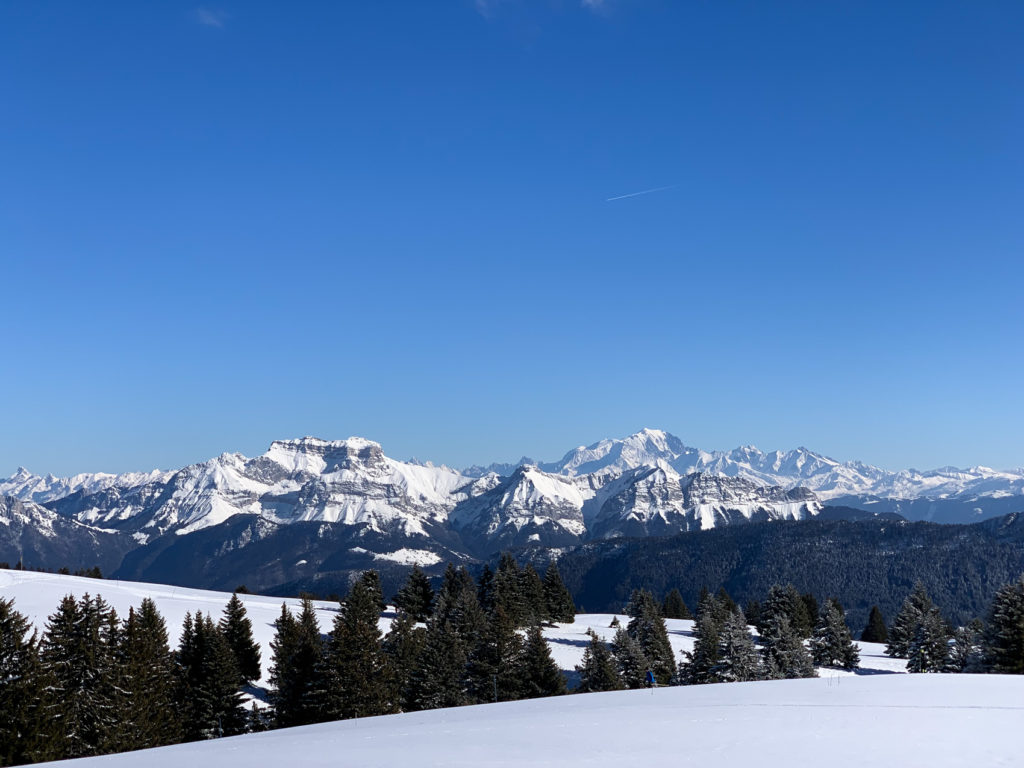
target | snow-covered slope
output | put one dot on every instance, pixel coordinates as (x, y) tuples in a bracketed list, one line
[(940, 721), (29, 487)]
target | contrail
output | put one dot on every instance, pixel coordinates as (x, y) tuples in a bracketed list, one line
[(634, 194)]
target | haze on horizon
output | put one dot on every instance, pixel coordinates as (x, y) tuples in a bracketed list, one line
[(425, 224)]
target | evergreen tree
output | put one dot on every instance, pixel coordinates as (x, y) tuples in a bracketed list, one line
[(149, 716), (699, 662), (812, 611), (402, 647), (416, 596), (726, 601), (647, 627), (558, 599), (674, 606), (786, 601), (738, 660), (494, 667), (539, 675), (629, 660), (904, 628), (875, 630), (211, 702), (485, 590), (532, 589), (296, 686), (831, 644), (597, 671), (438, 679), (23, 731), (507, 590), (929, 649), (237, 629), (966, 654), (1004, 641), (354, 664), (78, 659), (784, 654), (753, 611)]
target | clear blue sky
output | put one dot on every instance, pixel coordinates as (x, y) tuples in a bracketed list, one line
[(230, 223)]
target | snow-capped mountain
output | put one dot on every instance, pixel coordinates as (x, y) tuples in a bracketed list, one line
[(29, 487)]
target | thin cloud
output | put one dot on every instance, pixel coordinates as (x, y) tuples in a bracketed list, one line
[(211, 17), (637, 194), (597, 6)]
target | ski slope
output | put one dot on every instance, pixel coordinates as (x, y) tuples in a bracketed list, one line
[(939, 721)]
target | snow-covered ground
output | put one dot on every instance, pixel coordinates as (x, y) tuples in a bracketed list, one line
[(37, 594), (937, 721)]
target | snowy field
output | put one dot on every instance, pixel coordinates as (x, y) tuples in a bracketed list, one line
[(37, 594), (937, 721)]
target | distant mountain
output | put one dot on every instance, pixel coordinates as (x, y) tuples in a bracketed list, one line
[(329, 506)]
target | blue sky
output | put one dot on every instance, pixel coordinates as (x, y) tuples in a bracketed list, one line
[(230, 223)]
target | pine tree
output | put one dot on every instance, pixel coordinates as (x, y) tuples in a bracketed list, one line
[(508, 591), (904, 628), (831, 644), (966, 653), (296, 686), (786, 600), (494, 665), (753, 611), (211, 702), (784, 654), (532, 589), (354, 665), (647, 627), (875, 630), (539, 675), (738, 660), (1004, 640), (929, 649), (726, 601), (674, 606), (812, 611), (150, 717), (23, 731), (237, 629), (699, 662), (558, 599), (402, 647), (629, 660), (597, 671), (416, 597), (77, 657), (485, 590), (439, 678)]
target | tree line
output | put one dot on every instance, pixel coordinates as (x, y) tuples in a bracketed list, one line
[(93, 683)]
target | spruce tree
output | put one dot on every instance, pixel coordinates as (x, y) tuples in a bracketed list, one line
[(532, 589), (831, 644), (726, 601), (647, 627), (211, 702), (783, 651), (237, 629), (812, 611), (929, 648), (493, 670), (439, 677), (354, 665), (560, 605), (508, 591), (904, 627), (629, 660), (150, 718), (966, 653), (538, 673), (296, 687), (738, 660), (699, 662), (485, 590), (597, 671), (786, 600), (875, 630), (674, 607), (752, 610), (402, 647), (23, 730), (1004, 640), (416, 597)]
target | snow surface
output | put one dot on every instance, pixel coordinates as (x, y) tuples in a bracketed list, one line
[(938, 721)]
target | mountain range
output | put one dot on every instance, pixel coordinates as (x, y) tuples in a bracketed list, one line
[(310, 506)]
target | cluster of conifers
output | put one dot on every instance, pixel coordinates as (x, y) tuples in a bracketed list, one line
[(94, 684)]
